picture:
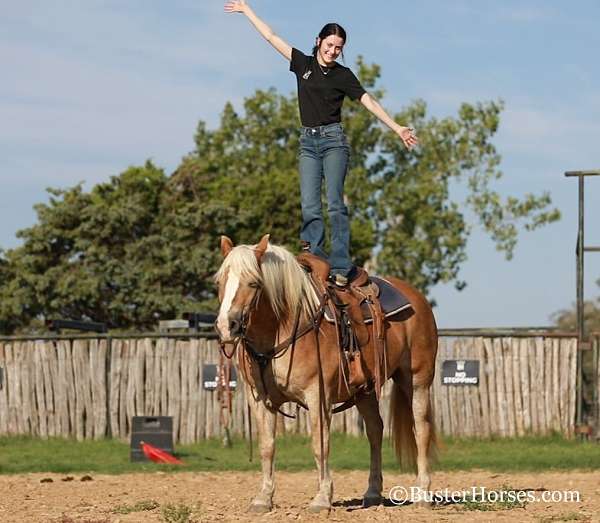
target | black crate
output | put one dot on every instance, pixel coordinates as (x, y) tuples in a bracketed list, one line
[(156, 430)]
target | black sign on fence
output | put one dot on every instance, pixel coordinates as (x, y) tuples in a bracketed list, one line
[(209, 377), (460, 372)]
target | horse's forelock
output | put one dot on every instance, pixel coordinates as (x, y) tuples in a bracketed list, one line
[(285, 282), (241, 261)]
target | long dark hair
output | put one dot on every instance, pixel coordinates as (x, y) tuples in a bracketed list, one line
[(328, 30)]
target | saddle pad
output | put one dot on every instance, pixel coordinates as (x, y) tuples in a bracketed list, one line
[(392, 301)]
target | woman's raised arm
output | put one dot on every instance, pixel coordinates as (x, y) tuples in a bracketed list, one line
[(240, 6), (406, 134)]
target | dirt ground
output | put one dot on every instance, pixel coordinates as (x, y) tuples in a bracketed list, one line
[(225, 497)]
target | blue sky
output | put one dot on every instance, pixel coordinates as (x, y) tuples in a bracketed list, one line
[(89, 88)]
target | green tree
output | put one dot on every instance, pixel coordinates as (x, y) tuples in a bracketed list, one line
[(9, 316), (117, 254), (143, 245), (566, 319), (249, 165)]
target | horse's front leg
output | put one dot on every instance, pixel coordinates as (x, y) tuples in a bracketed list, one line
[(320, 424), (266, 426), (368, 406)]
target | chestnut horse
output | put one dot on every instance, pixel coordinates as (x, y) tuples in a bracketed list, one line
[(269, 305)]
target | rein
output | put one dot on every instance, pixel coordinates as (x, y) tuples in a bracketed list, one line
[(264, 358)]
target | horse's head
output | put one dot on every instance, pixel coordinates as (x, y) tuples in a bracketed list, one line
[(240, 285)]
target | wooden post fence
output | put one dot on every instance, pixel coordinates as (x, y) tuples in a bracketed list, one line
[(89, 388)]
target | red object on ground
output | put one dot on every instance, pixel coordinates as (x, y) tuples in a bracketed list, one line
[(159, 456)]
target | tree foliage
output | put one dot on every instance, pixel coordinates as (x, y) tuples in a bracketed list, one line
[(119, 254), (566, 319), (143, 245)]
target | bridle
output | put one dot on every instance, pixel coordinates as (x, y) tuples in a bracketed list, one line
[(274, 353), (242, 337), (277, 351)]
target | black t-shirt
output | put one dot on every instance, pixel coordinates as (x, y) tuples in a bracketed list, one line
[(320, 96)]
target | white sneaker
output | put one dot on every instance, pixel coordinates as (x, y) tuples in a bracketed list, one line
[(340, 280)]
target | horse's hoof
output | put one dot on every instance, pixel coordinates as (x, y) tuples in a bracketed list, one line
[(317, 507), (259, 508), (372, 501)]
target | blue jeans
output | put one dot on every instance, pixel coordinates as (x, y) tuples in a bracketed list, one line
[(325, 154)]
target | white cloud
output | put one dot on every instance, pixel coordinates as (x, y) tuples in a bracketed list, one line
[(527, 13), (119, 36), (505, 11), (537, 125), (86, 82), (560, 132), (68, 105)]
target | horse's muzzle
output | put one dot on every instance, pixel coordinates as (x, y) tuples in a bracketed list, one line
[(235, 326)]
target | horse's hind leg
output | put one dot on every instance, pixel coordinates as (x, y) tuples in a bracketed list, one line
[(368, 406), (266, 421), (424, 432)]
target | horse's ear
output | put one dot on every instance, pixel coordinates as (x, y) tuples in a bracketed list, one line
[(226, 246), (261, 248)]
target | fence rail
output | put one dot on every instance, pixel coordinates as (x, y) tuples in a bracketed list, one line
[(89, 388)]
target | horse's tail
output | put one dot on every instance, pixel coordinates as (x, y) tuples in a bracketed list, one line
[(402, 426)]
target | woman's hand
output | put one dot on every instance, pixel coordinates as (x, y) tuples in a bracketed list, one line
[(408, 136), (240, 6), (235, 6)]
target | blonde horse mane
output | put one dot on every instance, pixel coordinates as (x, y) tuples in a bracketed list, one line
[(284, 281)]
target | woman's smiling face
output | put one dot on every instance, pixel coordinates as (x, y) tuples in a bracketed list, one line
[(330, 48)]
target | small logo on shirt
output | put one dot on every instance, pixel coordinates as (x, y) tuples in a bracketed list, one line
[(306, 74)]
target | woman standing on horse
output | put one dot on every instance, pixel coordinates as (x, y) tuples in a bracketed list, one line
[(324, 151)]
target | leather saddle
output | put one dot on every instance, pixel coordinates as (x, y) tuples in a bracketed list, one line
[(391, 300), (365, 300)]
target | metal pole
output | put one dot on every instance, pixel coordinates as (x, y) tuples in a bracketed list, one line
[(580, 326), (580, 244), (580, 250), (596, 414)]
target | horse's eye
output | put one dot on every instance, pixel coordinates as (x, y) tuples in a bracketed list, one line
[(254, 285)]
